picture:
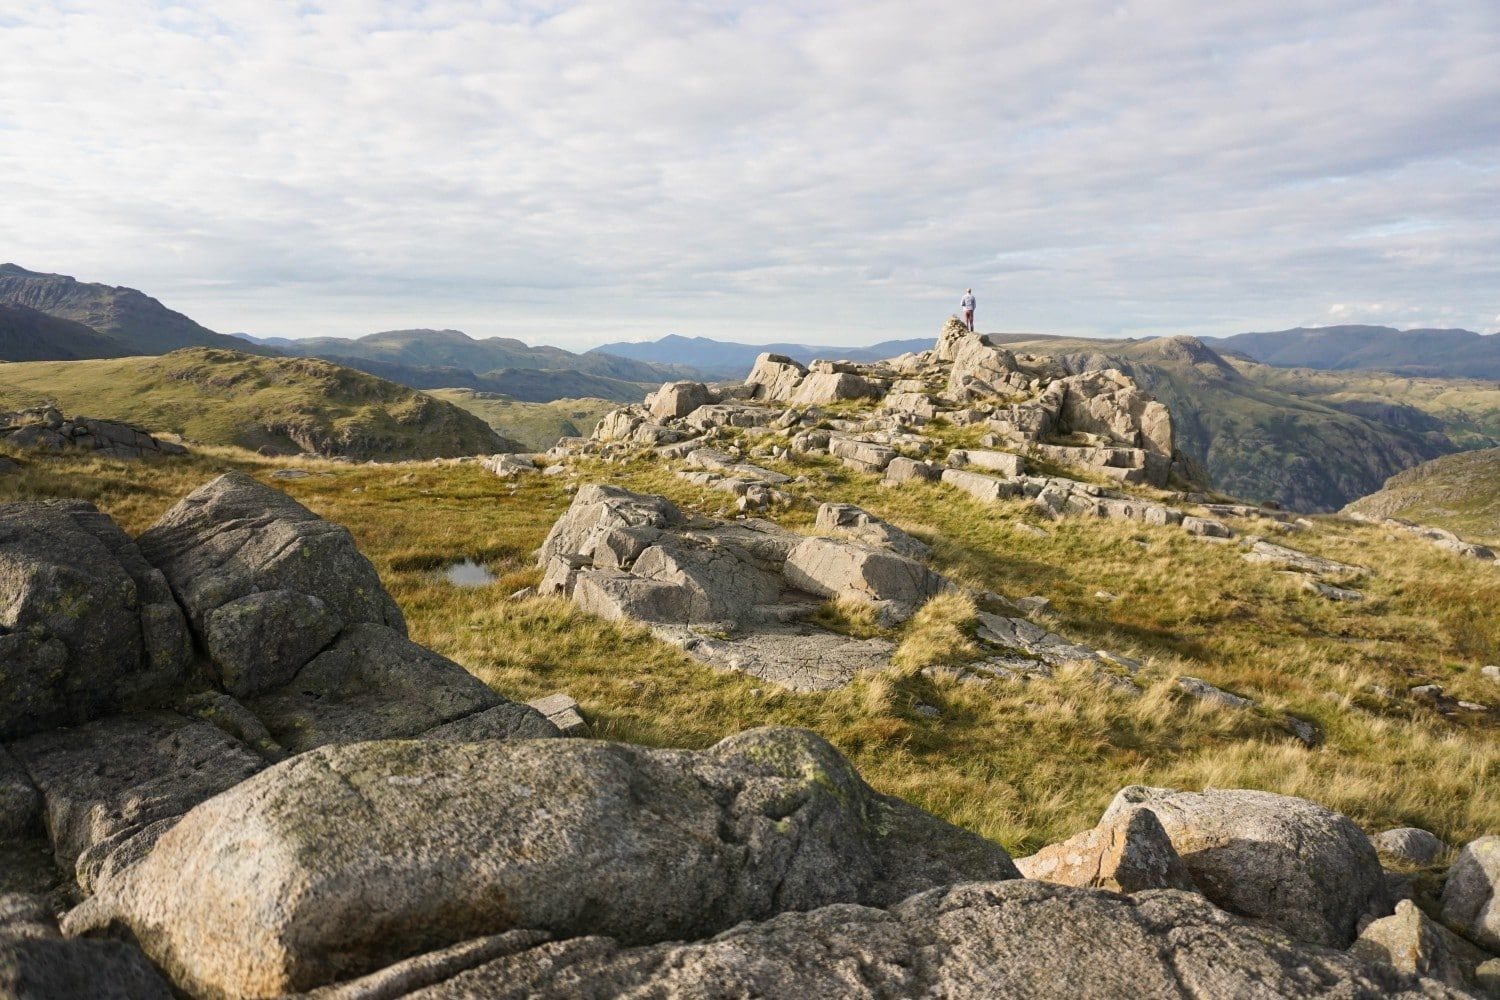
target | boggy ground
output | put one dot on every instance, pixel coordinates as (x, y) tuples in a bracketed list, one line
[(1022, 764)]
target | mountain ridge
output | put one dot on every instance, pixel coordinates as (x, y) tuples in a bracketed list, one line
[(129, 315)]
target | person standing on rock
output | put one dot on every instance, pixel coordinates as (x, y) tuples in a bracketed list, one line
[(967, 305)]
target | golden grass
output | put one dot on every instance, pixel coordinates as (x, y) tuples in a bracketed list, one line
[(1023, 764)]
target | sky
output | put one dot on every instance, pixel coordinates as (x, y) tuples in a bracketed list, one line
[(822, 172)]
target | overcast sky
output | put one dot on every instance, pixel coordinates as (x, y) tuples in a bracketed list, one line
[(832, 172)]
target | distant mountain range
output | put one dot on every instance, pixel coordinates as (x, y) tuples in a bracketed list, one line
[(131, 321), (717, 359), (1458, 353)]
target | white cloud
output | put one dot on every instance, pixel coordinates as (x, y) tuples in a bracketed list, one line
[(824, 170)]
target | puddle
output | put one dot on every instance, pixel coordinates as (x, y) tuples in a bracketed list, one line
[(468, 574)]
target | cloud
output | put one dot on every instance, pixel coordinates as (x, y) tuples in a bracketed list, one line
[(839, 171)]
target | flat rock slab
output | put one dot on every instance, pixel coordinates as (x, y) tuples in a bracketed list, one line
[(346, 859), (800, 657), (1271, 554), (980, 941)]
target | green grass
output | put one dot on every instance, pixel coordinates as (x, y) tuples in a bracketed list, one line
[(220, 397), (1023, 764), (1458, 492), (537, 426)]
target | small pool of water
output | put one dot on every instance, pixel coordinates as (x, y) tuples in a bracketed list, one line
[(468, 574)]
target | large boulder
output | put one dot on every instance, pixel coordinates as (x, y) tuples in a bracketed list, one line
[(107, 781), (860, 525), (775, 377), (596, 510), (345, 859), (1409, 942), (838, 569), (1471, 896), (679, 579), (831, 387), (248, 562), (86, 625), (1304, 868), (38, 963), (1015, 939), (1109, 404), (677, 399)]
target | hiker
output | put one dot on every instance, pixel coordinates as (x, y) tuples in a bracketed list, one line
[(968, 307)]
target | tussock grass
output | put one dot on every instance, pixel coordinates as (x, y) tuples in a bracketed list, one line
[(1024, 764)]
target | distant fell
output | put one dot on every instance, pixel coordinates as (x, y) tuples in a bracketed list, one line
[(456, 349), (28, 334), (724, 360), (127, 315), (282, 406), (1457, 353)]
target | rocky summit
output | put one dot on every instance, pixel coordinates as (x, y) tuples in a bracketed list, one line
[(228, 771)]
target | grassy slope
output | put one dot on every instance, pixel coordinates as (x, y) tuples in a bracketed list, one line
[(1458, 492), (535, 425), (1023, 765), (220, 397)]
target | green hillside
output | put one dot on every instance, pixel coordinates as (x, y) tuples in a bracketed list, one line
[(280, 405), (1458, 492), (535, 425)]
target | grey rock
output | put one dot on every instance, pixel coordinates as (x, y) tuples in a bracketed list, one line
[(1410, 844), (999, 462), (865, 456), (510, 721), (38, 963), (235, 538), (1306, 869), (373, 683), (20, 802), (86, 625), (422, 845), (846, 570), (1410, 943), (1206, 527), (1204, 691), (44, 429), (595, 510), (104, 781), (563, 712), (830, 387), (1018, 939), (980, 486), (677, 399), (1331, 593), (1269, 553), (1128, 853), (1470, 903), (507, 466), (903, 470), (795, 656), (854, 522)]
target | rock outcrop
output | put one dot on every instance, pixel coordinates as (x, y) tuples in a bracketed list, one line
[(87, 626), (1471, 896), (45, 429), (1303, 868), (624, 555), (421, 845)]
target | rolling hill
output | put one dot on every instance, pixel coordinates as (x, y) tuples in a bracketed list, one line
[(535, 425), (27, 334), (1454, 353), (141, 323), (723, 360), (455, 349), (1458, 492), (277, 405)]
